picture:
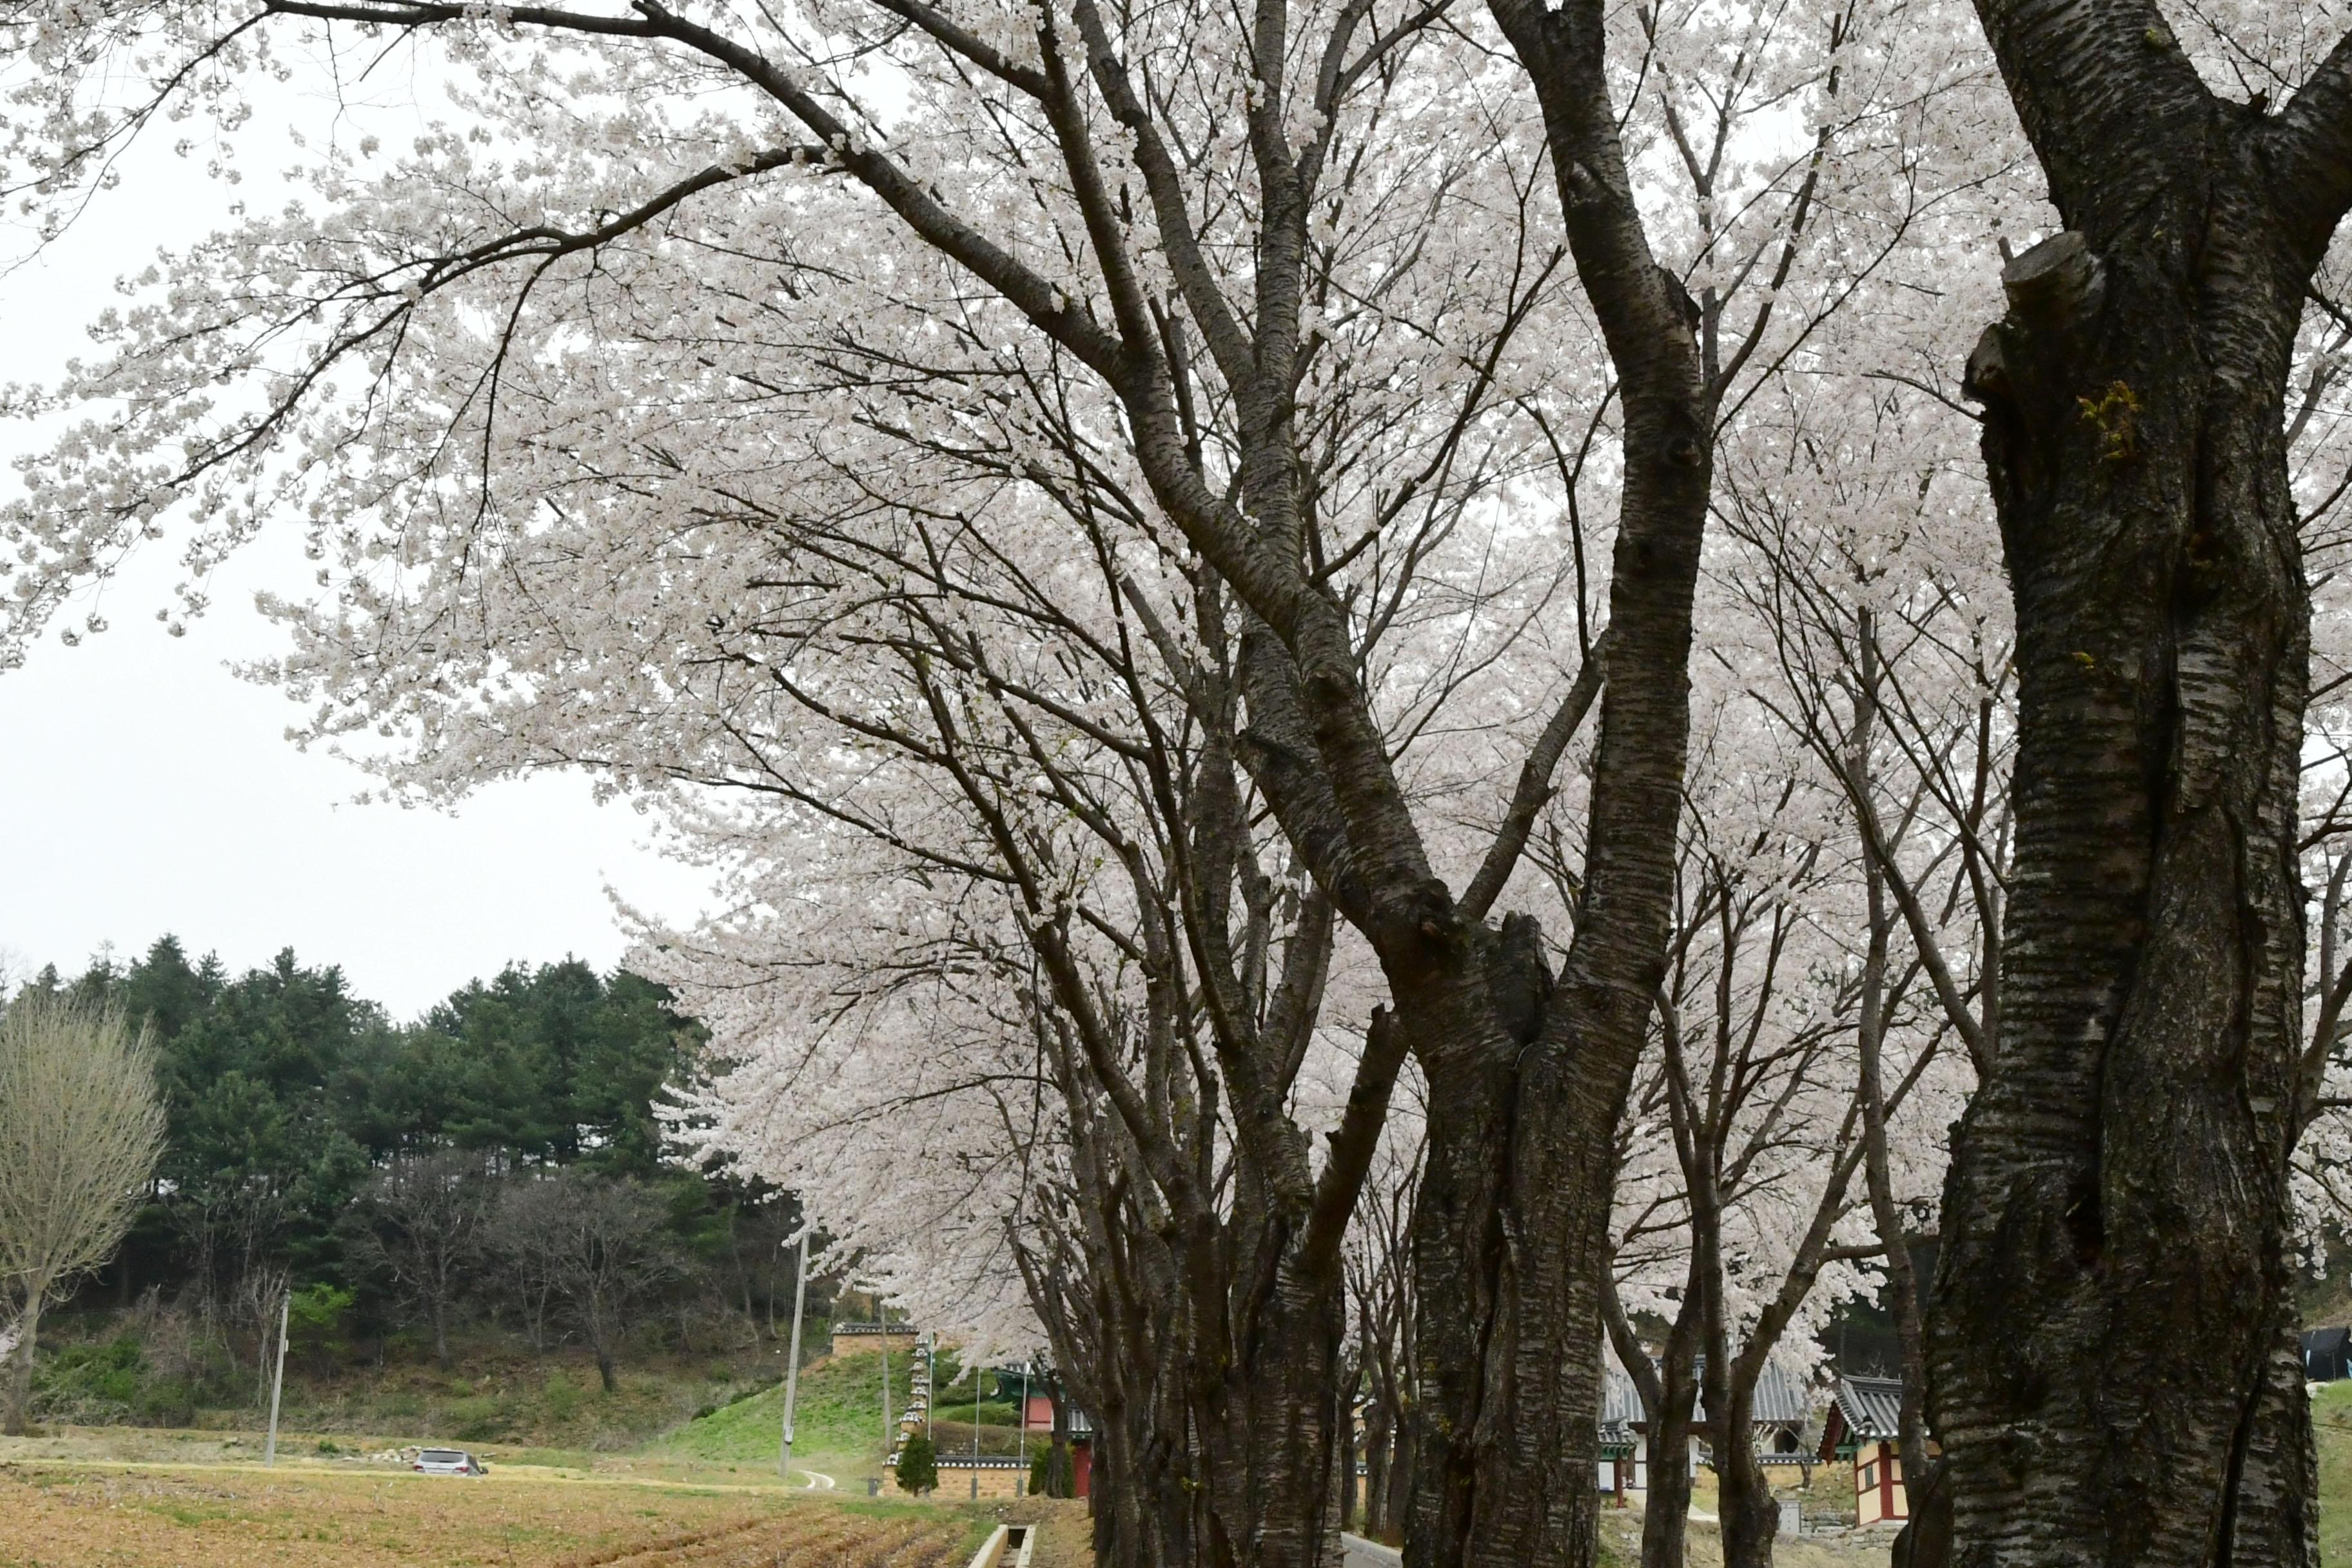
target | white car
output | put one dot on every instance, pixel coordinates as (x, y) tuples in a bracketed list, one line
[(449, 1462)]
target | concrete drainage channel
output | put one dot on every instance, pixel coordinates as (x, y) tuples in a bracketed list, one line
[(1007, 1546)]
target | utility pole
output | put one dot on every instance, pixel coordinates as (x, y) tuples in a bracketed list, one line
[(976, 1375), (793, 1365), (889, 1433), (1021, 1477), (277, 1383)]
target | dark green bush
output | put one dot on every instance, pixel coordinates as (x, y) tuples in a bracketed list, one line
[(92, 1381), (919, 1467), (1045, 1479)]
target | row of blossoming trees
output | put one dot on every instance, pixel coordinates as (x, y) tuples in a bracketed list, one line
[(1385, 688)]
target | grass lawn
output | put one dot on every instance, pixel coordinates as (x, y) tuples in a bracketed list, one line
[(2331, 1419), (836, 1423), (500, 1391)]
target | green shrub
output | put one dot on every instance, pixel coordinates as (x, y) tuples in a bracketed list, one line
[(563, 1395), (92, 1381), (169, 1402), (992, 1412), (919, 1467), (1045, 1477), (315, 1313)]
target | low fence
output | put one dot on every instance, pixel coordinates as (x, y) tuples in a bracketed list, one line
[(988, 1476)]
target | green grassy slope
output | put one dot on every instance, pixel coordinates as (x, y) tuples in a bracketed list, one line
[(838, 1418), (2331, 1420), (837, 1427)]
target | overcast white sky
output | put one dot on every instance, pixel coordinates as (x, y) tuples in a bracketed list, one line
[(145, 789)]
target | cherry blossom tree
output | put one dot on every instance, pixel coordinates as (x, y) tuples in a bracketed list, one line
[(1226, 341), (1846, 492), (1096, 467), (1740, 1225), (1012, 954), (1890, 656)]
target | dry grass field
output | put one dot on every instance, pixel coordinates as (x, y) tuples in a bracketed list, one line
[(62, 1516)]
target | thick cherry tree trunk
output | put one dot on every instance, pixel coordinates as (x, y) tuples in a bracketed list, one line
[(1665, 1507), (1467, 1058), (1669, 1390), (1215, 1398), (1749, 1516), (1377, 1448), (1398, 1501), (1526, 1081), (1143, 1518), (1270, 1413), (2110, 1337)]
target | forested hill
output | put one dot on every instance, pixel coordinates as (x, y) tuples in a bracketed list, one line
[(410, 1174)]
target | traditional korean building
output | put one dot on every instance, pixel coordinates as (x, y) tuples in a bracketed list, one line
[(1865, 1425), (1782, 1408)]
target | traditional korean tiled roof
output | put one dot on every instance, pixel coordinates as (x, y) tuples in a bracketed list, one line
[(1781, 1400), (1872, 1408), (1621, 1405)]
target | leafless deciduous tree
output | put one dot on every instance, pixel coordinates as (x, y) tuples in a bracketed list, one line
[(425, 1218), (596, 1243), (80, 1130)]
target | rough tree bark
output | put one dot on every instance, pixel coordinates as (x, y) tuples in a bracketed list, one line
[(1669, 1391), (2110, 1337), (1526, 1078)]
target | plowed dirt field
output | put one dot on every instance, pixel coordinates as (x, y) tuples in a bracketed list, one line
[(228, 1518)]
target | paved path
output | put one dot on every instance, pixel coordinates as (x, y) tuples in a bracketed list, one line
[(1358, 1552), (818, 1480)]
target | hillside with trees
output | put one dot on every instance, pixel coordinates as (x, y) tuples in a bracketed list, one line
[(478, 1188)]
